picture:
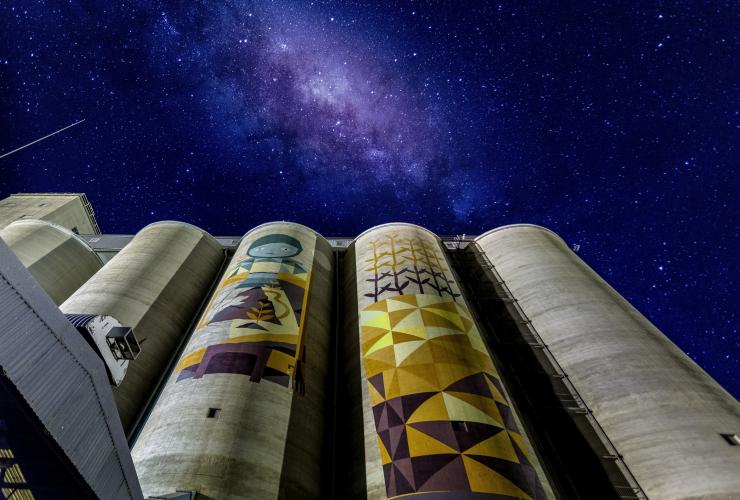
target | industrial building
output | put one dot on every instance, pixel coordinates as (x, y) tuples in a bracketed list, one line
[(284, 364)]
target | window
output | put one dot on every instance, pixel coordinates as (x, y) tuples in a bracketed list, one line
[(214, 412), (43, 204), (732, 439), (460, 426), (75, 230)]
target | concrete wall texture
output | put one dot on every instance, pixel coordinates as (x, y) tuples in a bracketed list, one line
[(69, 210), (242, 415), (661, 411), (154, 285), (57, 258), (437, 420)]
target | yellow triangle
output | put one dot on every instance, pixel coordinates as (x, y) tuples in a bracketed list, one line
[(375, 397), (452, 317), (384, 455), (412, 319), (485, 480), (458, 409), (431, 409), (404, 349), (498, 446), (517, 438), (397, 305), (421, 445), (377, 306), (417, 330), (378, 319), (384, 341), (483, 403)]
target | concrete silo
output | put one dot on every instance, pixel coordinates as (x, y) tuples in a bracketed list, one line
[(59, 259), (243, 413), (155, 285), (436, 419), (664, 416)]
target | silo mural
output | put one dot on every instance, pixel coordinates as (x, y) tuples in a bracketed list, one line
[(440, 419), (262, 300), (242, 414)]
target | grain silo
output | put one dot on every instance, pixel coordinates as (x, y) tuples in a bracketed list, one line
[(436, 421), (243, 413), (155, 285), (668, 421), (60, 260)]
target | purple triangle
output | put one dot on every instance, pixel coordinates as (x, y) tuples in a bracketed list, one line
[(398, 442), (390, 482), (402, 485), (413, 401), (475, 433), (381, 417), (397, 406), (441, 430), (405, 467), (474, 384), (507, 416), (427, 466), (385, 438), (451, 476), (377, 382), (394, 418), (523, 476)]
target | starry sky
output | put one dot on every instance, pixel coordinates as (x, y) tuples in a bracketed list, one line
[(615, 124)]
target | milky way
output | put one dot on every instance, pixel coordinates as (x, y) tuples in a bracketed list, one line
[(614, 124), (331, 105)]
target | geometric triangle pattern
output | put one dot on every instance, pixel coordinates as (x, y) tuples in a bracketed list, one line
[(442, 422)]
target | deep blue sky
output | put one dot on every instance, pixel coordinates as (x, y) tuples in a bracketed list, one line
[(615, 124)]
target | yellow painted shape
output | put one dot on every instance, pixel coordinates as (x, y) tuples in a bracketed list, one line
[(498, 446), (384, 341), (375, 366), (191, 359), (400, 305), (385, 457), (519, 440), (432, 409), (484, 480), (375, 396), (390, 382), (496, 393), (458, 409), (284, 363), (396, 317), (421, 445), (375, 319), (483, 403), (412, 382), (370, 335), (434, 319), (415, 329), (449, 373), (404, 349), (451, 316), (378, 306), (262, 336)]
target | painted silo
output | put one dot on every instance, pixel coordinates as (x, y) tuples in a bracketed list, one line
[(60, 260), (154, 285), (437, 421), (663, 414), (242, 415)]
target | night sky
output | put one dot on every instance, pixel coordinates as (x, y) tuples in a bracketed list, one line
[(615, 124)]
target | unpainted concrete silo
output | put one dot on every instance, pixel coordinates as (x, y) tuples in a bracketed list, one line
[(60, 260), (155, 285), (436, 418), (663, 414), (243, 414)]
